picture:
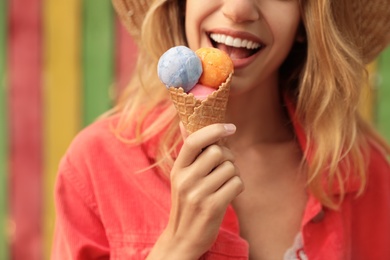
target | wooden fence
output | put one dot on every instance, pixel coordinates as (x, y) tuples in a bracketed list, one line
[(62, 63)]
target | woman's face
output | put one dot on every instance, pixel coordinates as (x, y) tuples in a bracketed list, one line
[(257, 34)]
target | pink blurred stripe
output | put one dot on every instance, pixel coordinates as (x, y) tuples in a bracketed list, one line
[(25, 115), (126, 55)]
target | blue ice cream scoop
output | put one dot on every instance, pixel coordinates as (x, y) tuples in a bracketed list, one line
[(179, 67)]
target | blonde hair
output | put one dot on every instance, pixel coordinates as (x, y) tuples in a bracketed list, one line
[(163, 28), (325, 89)]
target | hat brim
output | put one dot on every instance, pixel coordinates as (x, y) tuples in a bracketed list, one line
[(372, 16)]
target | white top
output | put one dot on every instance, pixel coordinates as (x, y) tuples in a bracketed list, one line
[(296, 251)]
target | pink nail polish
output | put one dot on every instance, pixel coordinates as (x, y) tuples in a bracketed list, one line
[(230, 128)]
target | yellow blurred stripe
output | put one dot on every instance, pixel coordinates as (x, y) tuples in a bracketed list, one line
[(367, 98), (61, 94)]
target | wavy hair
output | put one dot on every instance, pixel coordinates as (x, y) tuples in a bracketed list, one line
[(324, 77), (327, 99)]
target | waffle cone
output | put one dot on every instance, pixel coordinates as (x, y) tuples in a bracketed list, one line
[(194, 113)]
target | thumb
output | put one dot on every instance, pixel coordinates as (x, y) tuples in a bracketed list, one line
[(183, 131)]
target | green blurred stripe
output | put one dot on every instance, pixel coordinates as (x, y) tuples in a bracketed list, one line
[(98, 57), (383, 107), (3, 133)]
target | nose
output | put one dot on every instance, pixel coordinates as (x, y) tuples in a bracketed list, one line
[(241, 11)]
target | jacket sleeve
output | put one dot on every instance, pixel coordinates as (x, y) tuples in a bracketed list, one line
[(79, 232)]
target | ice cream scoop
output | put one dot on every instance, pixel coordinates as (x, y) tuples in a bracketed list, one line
[(204, 102), (201, 92), (217, 66), (179, 67)]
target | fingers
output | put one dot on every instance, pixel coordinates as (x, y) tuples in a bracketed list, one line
[(215, 191), (210, 158), (214, 183), (218, 177), (200, 188), (229, 190), (199, 140)]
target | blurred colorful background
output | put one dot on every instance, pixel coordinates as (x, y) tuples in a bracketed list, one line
[(62, 64)]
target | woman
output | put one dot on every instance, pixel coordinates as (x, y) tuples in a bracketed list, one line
[(301, 175)]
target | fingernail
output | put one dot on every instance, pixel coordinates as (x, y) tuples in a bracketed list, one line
[(230, 128)]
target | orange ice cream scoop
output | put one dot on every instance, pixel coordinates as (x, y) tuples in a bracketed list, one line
[(217, 66)]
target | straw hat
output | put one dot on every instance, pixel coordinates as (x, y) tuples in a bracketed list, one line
[(373, 16)]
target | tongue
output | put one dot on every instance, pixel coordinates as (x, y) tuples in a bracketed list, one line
[(235, 53)]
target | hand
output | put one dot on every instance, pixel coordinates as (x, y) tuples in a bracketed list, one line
[(204, 180)]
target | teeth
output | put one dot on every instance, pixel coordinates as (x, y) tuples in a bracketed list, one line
[(234, 42), (229, 41)]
